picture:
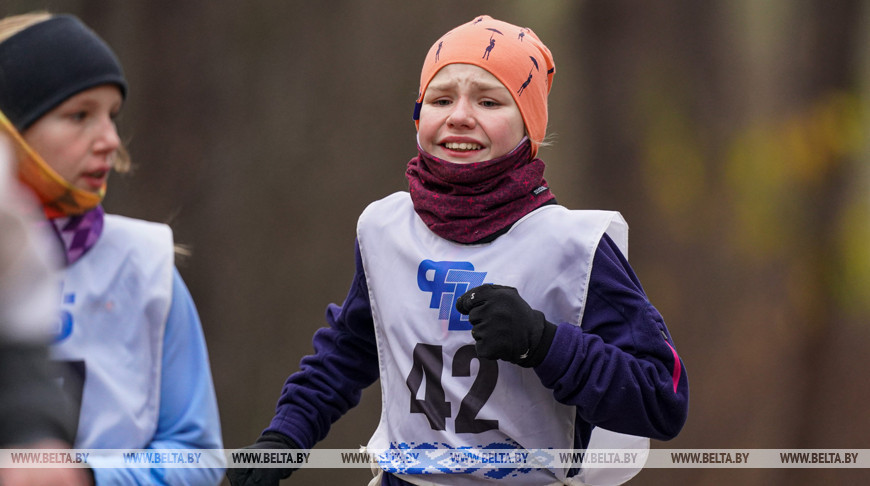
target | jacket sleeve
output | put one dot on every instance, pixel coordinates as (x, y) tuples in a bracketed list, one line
[(31, 404), (330, 381), (188, 415), (32, 407), (620, 367)]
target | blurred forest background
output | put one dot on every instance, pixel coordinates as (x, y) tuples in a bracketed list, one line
[(731, 134)]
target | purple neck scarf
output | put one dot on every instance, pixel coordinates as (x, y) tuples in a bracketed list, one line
[(79, 233), (466, 203)]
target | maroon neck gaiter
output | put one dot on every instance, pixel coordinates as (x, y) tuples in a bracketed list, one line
[(466, 203)]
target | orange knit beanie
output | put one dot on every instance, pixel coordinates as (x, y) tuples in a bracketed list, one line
[(514, 55)]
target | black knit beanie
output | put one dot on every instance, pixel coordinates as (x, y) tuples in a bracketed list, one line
[(48, 62)]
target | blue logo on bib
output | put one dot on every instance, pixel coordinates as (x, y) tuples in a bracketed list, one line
[(447, 281), (65, 326)]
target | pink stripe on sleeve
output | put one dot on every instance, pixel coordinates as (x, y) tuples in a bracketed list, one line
[(677, 366)]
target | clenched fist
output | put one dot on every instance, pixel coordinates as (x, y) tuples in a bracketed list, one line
[(504, 326)]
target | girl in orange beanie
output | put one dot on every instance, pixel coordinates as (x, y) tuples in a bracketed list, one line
[(497, 321), (513, 55)]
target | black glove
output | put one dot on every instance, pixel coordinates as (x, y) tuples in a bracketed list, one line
[(505, 327), (258, 476)]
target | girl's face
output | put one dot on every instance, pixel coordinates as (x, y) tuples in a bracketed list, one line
[(78, 138), (467, 116)]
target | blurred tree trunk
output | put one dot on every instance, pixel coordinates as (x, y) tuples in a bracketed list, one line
[(702, 141), (834, 408)]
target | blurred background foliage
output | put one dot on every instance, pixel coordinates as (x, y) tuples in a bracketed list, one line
[(732, 135)]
